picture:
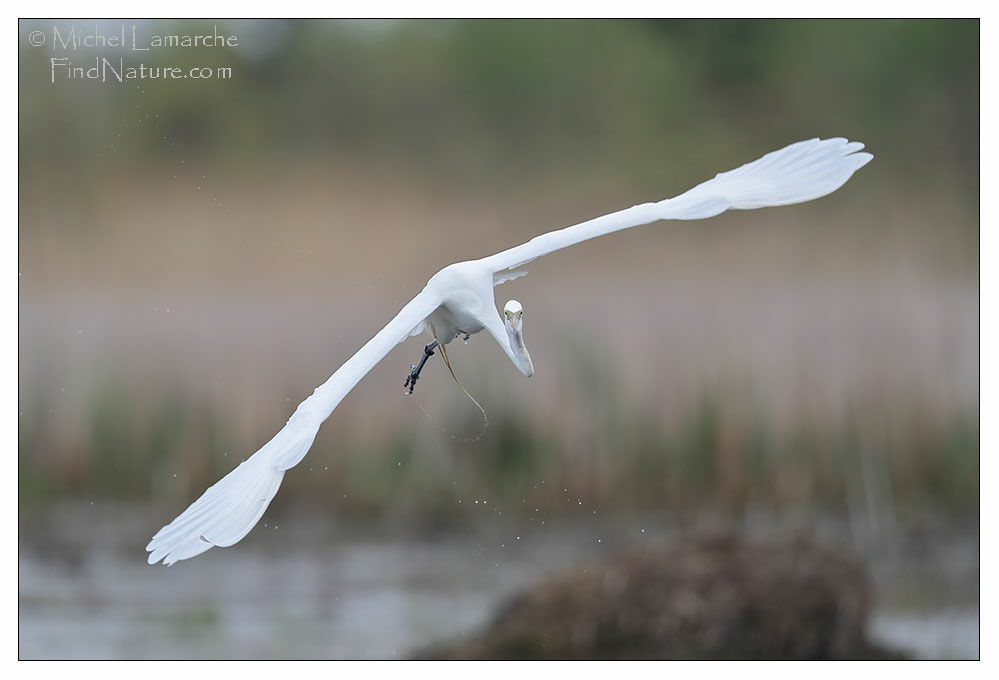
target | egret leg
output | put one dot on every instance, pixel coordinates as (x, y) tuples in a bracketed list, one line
[(414, 374)]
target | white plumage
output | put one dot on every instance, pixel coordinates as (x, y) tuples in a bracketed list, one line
[(459, 300)]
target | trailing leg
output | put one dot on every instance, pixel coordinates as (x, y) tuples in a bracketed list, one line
[(414, 374)]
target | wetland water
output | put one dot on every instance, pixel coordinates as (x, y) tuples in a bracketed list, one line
[(314, 589)]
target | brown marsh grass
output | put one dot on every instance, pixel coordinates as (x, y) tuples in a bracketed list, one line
[(795, 357)]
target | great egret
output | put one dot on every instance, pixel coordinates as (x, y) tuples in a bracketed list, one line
[(458, 300)]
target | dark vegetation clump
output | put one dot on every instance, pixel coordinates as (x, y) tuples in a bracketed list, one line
[(719, 598)]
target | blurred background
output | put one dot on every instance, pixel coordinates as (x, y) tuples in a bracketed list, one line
[(196, 255)]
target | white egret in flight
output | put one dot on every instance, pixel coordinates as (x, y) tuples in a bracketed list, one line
[(458, 301)]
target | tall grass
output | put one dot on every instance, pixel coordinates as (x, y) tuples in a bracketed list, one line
[(610, 451), (818, 355)]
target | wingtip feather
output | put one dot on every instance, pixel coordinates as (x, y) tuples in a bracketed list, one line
[(862, 158), (223, 515)]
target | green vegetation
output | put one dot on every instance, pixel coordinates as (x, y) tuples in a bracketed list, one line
[(500, 98), (712, 457)]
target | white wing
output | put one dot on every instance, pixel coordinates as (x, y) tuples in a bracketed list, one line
[(227, 511), (796, 173)]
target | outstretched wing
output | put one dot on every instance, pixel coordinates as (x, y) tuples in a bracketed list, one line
[(794, 174), (227, 511)]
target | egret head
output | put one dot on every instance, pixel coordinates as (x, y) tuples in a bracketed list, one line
[(513, 314)]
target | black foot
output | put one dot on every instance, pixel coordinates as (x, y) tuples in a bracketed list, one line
[(414, 374)]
